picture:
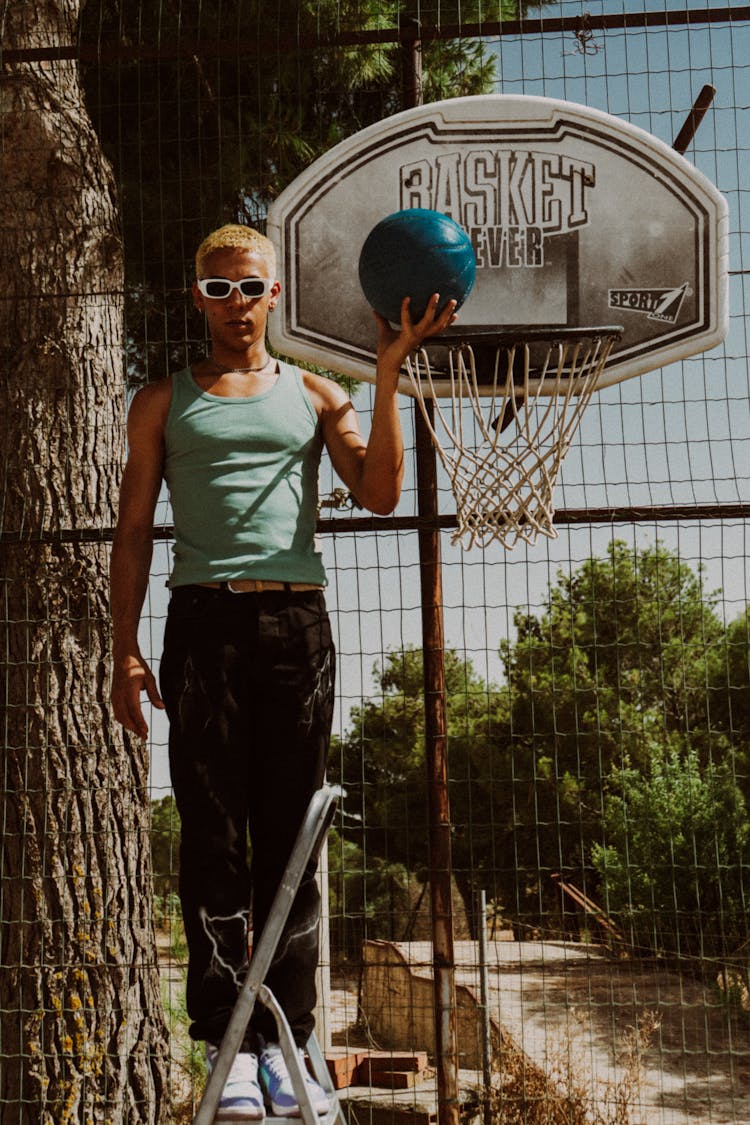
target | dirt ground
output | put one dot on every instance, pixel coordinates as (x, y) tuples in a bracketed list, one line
[(573, 1003), (566, 1002), (557, 998)]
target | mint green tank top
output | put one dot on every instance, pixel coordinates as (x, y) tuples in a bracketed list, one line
[(243, 480)]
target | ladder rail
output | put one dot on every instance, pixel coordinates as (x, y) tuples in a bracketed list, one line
[(296, 1069), (309, 840)]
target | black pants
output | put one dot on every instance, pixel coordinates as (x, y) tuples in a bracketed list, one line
[(248, 684)]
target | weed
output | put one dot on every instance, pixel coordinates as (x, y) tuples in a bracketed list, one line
[(188, 1068), (564, 1094)]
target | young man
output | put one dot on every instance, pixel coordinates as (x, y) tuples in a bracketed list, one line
[(248, 666)]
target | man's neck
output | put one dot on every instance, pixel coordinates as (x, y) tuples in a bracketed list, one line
[(247, 360), (234, 383)]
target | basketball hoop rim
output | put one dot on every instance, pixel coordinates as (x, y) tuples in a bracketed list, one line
[(523, 334), (589, 345), (503, 433)]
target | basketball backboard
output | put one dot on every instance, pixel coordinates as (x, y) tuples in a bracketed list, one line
[(577, 219)]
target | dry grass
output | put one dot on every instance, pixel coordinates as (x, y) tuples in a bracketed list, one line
[(565, 1094)]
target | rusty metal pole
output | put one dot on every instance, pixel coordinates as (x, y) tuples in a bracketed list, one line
[(701, 105), (433, 647)]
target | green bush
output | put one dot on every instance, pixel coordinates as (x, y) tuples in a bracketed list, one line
[(673, 864)]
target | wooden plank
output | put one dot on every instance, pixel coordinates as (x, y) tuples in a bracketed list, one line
[(375, 1062), (343, 1065), (396, 1079)]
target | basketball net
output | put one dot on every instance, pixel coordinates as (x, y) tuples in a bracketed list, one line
[(502, 437)]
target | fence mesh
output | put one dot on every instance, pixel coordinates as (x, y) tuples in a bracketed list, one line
[(598, 684)]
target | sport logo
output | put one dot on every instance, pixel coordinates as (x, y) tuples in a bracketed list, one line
[(657, 304)]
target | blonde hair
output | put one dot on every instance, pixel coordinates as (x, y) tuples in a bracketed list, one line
[(235, 236)]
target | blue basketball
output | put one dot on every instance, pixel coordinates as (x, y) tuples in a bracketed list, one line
[(415, 253)]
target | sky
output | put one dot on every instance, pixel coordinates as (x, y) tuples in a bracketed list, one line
[(678, 435)]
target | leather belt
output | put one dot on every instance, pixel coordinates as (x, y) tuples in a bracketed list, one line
[(258, 585)]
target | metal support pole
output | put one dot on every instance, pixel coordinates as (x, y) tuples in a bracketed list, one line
[(484, 981), (433, 647), (323, 1028), (700, 107), (411, 62)]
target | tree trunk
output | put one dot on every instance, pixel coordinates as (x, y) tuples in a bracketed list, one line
[(82, 1033)]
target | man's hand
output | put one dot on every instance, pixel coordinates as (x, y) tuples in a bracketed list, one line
[(130, 677), (394, 346), (373, 471)]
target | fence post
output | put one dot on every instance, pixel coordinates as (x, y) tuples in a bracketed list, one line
[(433, 643)]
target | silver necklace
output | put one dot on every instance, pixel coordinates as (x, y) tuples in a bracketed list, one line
[(239, 370)]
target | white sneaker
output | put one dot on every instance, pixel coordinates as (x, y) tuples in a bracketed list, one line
[(241, 1098), (277, 1084)]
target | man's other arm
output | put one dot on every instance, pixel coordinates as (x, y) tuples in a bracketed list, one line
[(131, 555)]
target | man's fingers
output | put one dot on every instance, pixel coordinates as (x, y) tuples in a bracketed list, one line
[(407, 324), (126, 698), (152, 691), (128, 713), (137, 723), (433, 322)]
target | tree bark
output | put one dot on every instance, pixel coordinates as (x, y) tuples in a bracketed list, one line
[(82, 1032)]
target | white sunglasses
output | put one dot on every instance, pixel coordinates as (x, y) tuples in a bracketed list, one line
[(218, 288)]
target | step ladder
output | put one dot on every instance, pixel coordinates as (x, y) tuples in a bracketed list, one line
[(309, 841)]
